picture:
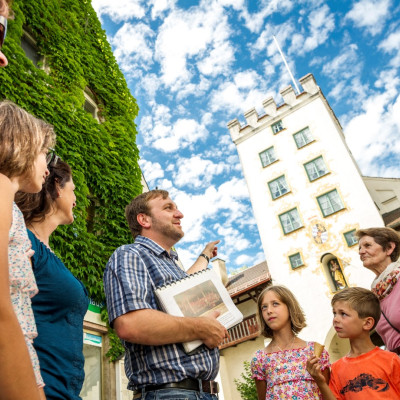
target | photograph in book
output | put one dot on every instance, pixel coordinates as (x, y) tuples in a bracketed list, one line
[(200, 300)]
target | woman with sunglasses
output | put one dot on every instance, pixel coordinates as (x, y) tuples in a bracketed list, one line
[(3, 30), (24, 143), (62, 300)]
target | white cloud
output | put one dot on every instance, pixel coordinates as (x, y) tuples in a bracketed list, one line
[(132, 46), (255, 21), (246, 90), (218, 60), (249, 261), (347, 68), (163, 134), (392, 45), (151, 171), (195, 34), (373, 135), (160, 7), (321, 23), (370, 14), (181, 134), (119, 10), (214, 202), (197, 172)]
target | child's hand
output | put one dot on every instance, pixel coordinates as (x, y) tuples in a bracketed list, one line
[(314, 369)]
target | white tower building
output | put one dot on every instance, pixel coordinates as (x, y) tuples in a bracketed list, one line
[(308, 198)]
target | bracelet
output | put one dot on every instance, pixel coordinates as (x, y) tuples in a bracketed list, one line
[(206, 257)]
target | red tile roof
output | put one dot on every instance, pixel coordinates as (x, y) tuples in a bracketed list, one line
[(248, 278)]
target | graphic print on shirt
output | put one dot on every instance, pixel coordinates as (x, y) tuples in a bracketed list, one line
[(365, 381)]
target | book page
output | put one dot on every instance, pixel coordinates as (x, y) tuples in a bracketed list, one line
[(199, 295)]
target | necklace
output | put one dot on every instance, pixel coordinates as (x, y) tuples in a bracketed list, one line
[(291, 344)]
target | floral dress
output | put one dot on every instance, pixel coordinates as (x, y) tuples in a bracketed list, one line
[(285, 373), (23, 284)]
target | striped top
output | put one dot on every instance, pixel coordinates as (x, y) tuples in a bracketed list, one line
[(132, 274)]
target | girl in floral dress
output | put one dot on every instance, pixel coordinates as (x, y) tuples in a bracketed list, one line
[(24, 144), (279, 370)]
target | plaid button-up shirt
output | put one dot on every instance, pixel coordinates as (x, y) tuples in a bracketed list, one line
[(131, 275)]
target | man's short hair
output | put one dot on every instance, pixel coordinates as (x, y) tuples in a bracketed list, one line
[(140, 205), (361, 300)]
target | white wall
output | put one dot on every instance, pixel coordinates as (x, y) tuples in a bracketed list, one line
[(309, 283)]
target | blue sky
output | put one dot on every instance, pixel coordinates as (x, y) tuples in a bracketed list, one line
[(195, 65)]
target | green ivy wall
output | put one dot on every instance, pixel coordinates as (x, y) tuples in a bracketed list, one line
[(103, 156)]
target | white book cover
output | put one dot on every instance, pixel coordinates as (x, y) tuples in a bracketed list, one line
[(198, 295)]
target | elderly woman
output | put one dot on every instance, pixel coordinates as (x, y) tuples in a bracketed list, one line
[(379, 250), (62, 301)]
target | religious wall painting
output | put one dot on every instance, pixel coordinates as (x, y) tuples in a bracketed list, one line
[(319, 233), (336, 274)]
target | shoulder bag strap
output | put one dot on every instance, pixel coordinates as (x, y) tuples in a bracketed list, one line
[(389, 322)]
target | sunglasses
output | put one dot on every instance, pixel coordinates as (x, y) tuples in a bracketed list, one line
[(3, 30), (52, 158)]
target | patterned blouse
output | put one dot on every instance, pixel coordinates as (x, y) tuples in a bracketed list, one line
[(23, 284), (285, 373)]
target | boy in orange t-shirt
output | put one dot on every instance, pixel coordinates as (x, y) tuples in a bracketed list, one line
[(367, 372)]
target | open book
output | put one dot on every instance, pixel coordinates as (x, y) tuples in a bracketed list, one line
[(197, 296)]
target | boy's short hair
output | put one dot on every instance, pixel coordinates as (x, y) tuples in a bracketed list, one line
[(361, 300), (140, 205)]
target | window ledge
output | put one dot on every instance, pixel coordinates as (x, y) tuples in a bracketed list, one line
[(273, 162), (316, 179), (335, 212)]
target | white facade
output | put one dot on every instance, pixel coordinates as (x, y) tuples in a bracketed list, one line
[(316, 238), (385, 192)]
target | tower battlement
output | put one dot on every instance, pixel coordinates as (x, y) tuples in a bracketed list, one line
[(272, 111)]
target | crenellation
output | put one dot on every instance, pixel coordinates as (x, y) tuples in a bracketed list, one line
[(269, 106), (234, 128), (272, 110), (309, 84), (251, 117), (289, 95)]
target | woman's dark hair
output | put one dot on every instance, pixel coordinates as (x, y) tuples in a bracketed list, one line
[(35, 206), (383, 236)]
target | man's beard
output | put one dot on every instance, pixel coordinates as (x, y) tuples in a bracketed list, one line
[(168, 230)]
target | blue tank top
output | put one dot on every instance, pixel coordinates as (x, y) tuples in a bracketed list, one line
[(59, 308)]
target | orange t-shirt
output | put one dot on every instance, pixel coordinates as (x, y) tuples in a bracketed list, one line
[(373, 375)]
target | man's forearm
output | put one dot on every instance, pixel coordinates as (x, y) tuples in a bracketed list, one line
[(209, 252), (155, 328), (200, 264)]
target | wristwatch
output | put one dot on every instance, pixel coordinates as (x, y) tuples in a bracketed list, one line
[(206, 257)]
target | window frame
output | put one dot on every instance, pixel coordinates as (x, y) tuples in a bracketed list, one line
[(278, 124), (313, 161), (281, 194), (265, 151), (40, 60), (89, 100), (291, 256), (300, 132), (288, 212), (327, 195), (345, 237)]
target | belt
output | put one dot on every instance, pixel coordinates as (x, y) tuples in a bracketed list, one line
[(188, 384)]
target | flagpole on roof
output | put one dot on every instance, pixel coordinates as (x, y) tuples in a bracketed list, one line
[(286, 64)]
